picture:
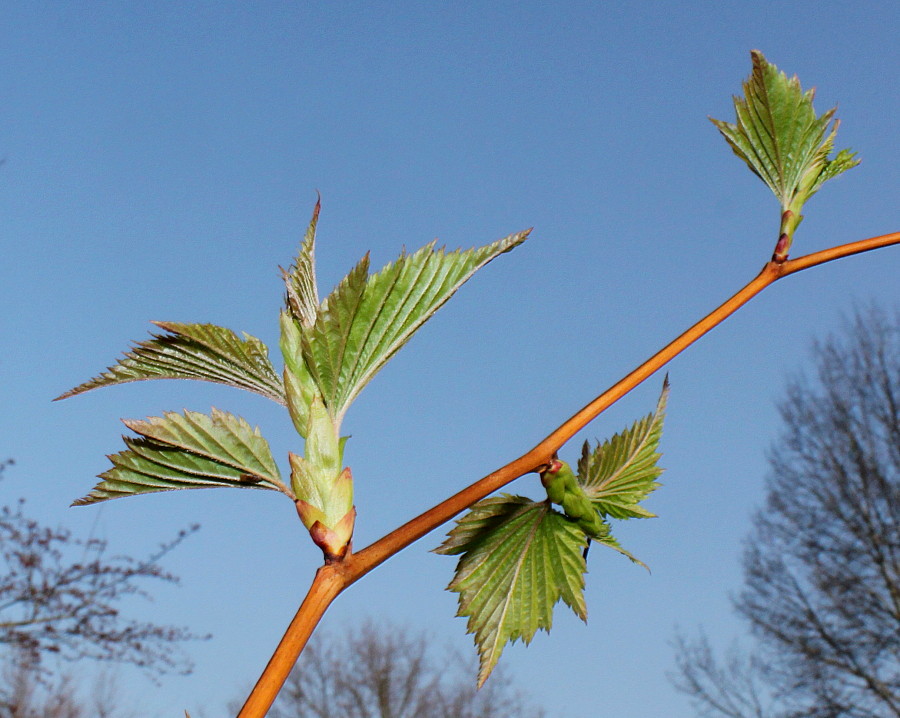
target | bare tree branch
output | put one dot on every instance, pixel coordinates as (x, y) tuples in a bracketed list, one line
[(31, 691), (61, 595), (387, 672)]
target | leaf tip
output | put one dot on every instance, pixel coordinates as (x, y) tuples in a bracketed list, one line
[(482, 677)]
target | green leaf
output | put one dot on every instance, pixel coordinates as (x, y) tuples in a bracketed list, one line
[(324, 448), (325, 345), (366, 319), (620, 473), (781, 138), (302, 298), (518, 559), (189, 451), (300, 388), (195, 351)]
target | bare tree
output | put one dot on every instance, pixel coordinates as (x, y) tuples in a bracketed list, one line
[(822, 565), (61, 595), (24, 695), (29, 693), (386, 672)]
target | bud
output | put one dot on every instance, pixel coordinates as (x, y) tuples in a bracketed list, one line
[(325, 506), (790, 220), (554, 482), (564, 490), (334, 542)]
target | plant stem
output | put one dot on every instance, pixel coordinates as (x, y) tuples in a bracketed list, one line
[(331, 579), (378, 552)]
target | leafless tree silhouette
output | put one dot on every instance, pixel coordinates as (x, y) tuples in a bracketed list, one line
[(387, 672), (822, 565), (61, 596)]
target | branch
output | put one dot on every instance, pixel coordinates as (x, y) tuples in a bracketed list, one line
[(333, 578), (329, 581), (378, 552)]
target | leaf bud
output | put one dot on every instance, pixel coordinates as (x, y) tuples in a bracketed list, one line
[(554, 481)]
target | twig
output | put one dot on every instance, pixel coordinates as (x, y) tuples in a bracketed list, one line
[(333, 578), (329, 581)]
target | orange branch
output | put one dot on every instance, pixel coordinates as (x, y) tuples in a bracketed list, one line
[(331, 579), (384, 548), (370, 557), (845, 250)]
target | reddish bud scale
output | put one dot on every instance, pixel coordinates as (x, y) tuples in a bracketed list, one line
[(335, 543)]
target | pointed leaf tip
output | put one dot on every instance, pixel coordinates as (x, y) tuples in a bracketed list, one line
[(302, 295)]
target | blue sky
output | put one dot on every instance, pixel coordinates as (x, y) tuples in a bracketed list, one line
[(162, 159)]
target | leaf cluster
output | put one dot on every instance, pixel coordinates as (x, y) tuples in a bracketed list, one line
[(352, 334), (783, 141), (331, 348), (519, 557)]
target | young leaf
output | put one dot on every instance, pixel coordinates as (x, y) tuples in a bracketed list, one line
[(324, 345), (780, 137), (367, 319), (302, 296), (195, 351), (189, 451), (300, 388), (518, 559), (620, 473), (778, 134)]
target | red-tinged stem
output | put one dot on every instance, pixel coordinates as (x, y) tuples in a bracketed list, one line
[(333, 578)]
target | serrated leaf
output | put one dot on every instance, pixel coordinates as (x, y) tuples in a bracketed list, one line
[(781, 138), (613, 543), (325, 344), (188, 451), (366, 319), (302, 298), (843, 161), (299, 386), (518, 559), (195, 351), (622, 471)]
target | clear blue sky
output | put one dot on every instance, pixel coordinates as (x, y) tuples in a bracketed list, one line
[(162, 159)]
